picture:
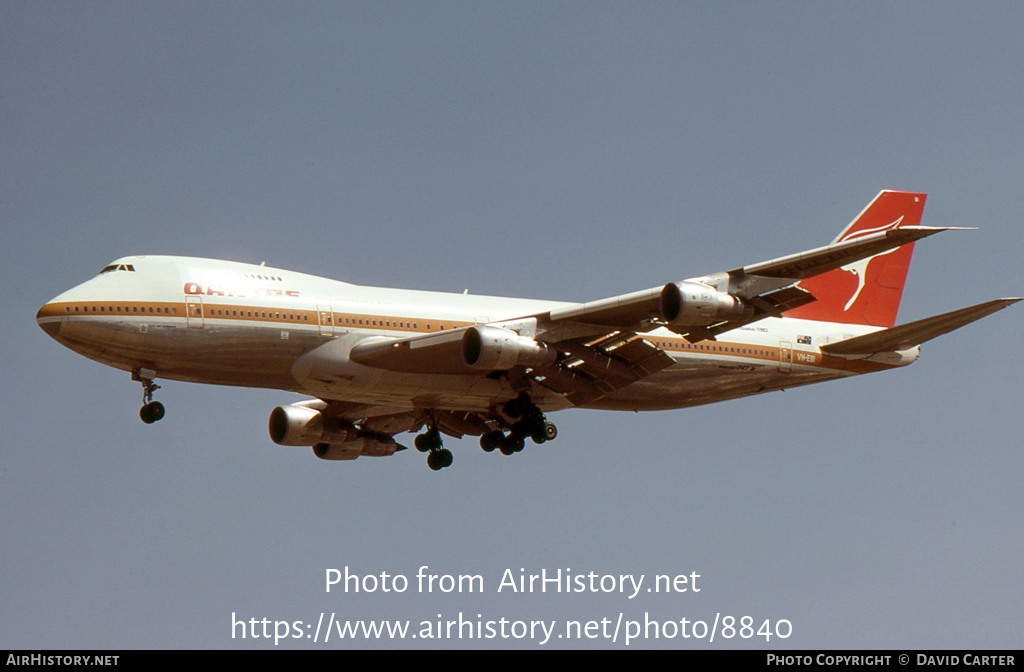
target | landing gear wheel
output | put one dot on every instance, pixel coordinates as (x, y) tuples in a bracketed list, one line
[(152, 412), (439, 459), (550, 431), (428, 440), (491, 440), (506, 449), (516, 443), (434, 461), (521, 428)]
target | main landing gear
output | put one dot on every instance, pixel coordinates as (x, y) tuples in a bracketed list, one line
[(430, 442), (151, 411), (529, 422)]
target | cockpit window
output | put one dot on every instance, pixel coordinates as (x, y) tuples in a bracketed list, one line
[(117, 267)]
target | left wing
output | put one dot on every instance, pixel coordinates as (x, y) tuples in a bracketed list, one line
[(706, 306)]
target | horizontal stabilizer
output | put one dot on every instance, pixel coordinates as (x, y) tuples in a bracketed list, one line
[(915, 333)]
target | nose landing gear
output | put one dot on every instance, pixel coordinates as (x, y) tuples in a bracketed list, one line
[(151, 411)]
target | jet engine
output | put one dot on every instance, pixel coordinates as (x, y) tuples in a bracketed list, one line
[(350, 450), (299, 425), (691, 304), (497, 349), (303, 426)]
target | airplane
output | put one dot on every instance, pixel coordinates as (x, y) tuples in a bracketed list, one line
[(379, 362)]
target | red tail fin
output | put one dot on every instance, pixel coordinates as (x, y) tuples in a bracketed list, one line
[(867, 291)]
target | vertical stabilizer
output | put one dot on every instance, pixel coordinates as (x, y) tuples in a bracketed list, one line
[(867, 291)]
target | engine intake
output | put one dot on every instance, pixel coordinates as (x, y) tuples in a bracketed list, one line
[(497, 349), (691, 304)]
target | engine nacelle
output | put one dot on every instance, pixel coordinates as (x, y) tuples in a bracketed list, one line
[(349, 450), (303, 426), (497, 349), (691, 304)]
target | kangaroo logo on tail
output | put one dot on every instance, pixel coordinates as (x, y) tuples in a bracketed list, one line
[(859, 268), (867, 291)]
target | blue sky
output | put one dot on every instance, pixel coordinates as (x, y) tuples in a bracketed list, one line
[(546, 150)]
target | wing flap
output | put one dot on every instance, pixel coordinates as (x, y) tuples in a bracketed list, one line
[(593, 372), (915, 333)]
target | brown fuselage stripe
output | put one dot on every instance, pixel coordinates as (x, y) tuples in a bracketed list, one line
[(334, 319)]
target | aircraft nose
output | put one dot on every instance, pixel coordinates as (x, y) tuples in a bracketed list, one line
[(48, 319)]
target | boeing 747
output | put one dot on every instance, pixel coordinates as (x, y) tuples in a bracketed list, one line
[(379, 362)]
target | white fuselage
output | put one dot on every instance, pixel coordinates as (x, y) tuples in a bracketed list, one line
[(228, 323)]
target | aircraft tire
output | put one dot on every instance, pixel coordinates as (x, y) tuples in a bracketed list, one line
[(491, 440), (146, 415), (521, 428), (422, 443), (445, 457), (434, 461), (157, 410), (550, 431)]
